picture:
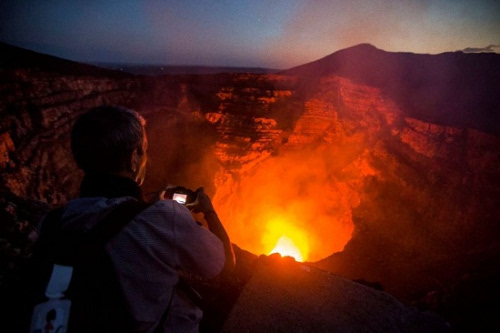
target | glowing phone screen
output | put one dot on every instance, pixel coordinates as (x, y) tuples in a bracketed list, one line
[(180, 198)]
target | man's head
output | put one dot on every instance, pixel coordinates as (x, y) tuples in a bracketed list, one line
[(110, 140)]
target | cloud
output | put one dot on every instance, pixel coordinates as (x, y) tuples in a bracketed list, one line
[(321, 27), (489, 48)]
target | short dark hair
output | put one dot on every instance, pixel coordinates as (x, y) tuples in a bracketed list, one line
[(103, 139)]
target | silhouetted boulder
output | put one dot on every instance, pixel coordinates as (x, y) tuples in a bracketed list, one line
[(286, 296)]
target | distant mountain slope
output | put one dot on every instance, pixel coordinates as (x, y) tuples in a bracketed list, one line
[(16, 57), (157, 70), (455, 89), (13, 57)]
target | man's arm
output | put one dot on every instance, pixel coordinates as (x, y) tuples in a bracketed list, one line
[(204, 205)]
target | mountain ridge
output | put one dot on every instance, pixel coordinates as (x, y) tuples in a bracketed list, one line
[(452, 88), (14, 57), (443, 88)]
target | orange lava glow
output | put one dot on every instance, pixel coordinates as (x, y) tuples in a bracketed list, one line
[(285, 239), (287, 248), (282, 206)]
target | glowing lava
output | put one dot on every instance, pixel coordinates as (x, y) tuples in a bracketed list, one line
[(296, 194), (286, 247), (283, 237)]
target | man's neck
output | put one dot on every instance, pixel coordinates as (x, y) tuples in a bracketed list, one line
[(109, 186)]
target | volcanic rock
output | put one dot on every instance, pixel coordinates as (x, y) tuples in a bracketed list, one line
[(286, 296)]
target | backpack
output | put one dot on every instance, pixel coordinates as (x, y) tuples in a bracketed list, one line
[(93, 299)]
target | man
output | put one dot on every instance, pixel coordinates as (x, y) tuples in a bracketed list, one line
[(109, 143)]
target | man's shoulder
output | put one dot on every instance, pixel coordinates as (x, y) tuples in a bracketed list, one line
[(167, 207), (85, 213), (170, 215)]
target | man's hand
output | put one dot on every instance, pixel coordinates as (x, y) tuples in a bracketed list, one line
[(153, 197), (203, 204)]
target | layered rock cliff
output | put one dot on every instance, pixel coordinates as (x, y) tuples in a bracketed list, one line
[(38, 105)]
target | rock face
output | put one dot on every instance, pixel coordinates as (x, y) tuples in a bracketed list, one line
[(285, 296), (37, 108), (367, 166)]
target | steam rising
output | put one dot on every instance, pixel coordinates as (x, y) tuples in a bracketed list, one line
[(305, 193), (180, 152)]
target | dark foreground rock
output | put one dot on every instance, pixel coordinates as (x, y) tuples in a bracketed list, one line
[(286, 296)]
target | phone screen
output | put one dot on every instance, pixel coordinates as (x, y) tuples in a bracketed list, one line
[(180, 198)]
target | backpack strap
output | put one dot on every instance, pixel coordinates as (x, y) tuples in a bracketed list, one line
[(98, 301), (25, 286), (51, 221), (118, 218), (59, 245)]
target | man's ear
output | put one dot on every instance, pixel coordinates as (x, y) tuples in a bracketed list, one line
[(135, 161), (138, 165)]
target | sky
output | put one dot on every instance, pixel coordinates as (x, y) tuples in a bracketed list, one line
[(244, 33)]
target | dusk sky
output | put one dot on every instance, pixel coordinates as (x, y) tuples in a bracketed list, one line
[(251, 33)]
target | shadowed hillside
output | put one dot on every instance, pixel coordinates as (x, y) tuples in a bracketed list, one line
[(13, 57), (457, 89)]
